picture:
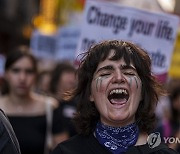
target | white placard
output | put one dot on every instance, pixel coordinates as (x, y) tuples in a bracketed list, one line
[(43, 46), (155, 32), (59, 46), (67, 40)]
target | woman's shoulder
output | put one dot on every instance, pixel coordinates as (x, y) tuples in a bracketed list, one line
[(43, 99), (3, 103), (3, 99), (80, 144), (145, 149), (76, 140), (71, 146)]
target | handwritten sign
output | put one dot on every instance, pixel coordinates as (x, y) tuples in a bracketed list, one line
[(155, 32)]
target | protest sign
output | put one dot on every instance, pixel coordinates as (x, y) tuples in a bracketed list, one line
[(67, 40), (59, 46), (155, 32), (43, 46)]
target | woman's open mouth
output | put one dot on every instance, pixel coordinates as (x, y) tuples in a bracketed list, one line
[(118, 96)]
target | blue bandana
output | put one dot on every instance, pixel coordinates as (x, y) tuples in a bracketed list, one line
[(117, 139)]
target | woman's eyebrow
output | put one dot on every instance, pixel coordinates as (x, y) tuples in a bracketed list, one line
[(108, 67), (14, 69), (125, 67)]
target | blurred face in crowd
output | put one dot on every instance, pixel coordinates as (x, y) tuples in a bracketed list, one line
[(116, 91), (66, 82), (21, 76), (44, 82)]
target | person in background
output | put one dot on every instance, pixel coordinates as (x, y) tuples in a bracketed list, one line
[(35, 118), (63, 79), (43, 82), (169, 126), (117, 95), (175, 117)]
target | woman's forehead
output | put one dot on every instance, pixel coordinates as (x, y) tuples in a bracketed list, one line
[(115, 63), (111, 58)]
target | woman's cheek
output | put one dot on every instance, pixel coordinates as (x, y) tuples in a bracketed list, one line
[(101, 83), (133, 82)]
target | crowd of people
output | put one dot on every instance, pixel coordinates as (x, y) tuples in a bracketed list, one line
[(106, 105), (35, 116)]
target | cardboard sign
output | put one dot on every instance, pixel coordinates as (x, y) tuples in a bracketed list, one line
[(156, 33)]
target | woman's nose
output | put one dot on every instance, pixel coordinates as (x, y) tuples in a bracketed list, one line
[(118, 77), (22, 75)]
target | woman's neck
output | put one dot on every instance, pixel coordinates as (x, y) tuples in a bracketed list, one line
[(142, 139), (30, 105), (19, 100)]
